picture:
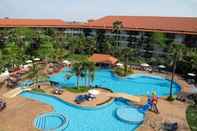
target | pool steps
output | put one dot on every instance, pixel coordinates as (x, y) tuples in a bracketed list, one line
[(41, 120)]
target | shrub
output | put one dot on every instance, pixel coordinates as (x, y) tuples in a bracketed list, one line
[(191, 115), (121, 71)]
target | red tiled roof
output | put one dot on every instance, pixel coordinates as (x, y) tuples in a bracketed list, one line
[(182, 25), (31, 23), (102, 58), (187, 25)]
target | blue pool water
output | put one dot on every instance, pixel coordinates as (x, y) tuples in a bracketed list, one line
[(137, 84), (80, 119), (103, 118)]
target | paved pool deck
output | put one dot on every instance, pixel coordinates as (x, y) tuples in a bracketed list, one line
[(169, 112), (20, 112)]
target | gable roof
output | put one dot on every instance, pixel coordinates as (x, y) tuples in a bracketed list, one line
[(103, 58), (31, 23), (187, 25)]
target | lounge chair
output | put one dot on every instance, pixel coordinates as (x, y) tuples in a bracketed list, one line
[(2, 105), (86, 97), (57, 91), (81, 98), (170, 126), (181, 98)]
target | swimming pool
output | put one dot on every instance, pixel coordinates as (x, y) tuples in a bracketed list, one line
[(137, 84), (81, 119)]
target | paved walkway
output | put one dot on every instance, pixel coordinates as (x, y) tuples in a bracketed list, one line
[(131, 98), (169, 112), (14, 92)]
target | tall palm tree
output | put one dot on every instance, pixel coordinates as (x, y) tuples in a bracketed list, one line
[(85, 65), (177, 54), (77, 70), (116, 30), (91, 72), (125, 53)]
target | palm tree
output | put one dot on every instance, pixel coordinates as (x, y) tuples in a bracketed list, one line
[(84, 71), (177, 54), (125, 53), (35, 72), (90, 45), (77, 70), (91, 72), (116, 29)]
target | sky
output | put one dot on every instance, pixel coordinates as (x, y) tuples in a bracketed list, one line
[(82, 10)]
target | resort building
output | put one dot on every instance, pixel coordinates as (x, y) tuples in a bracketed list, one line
[(134, 30)]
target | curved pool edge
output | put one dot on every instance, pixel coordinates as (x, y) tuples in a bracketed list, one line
[(71, 104)]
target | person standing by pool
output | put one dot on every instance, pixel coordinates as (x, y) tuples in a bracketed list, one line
[(154, 102)]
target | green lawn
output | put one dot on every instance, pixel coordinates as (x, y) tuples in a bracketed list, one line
[(38, 90), (192, 117), (78, 90)]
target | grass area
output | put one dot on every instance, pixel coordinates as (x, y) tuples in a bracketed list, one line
[(38, 90), (192, 117), (121, 72), (80, 89)]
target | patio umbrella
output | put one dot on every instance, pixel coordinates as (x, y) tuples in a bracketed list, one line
[(36, 59), (191, 74), (145, 65), (66, 62), (119, 64), (162, 66), (94, 92), (28, 61)]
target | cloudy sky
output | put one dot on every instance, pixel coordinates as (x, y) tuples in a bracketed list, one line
[(75, 10)]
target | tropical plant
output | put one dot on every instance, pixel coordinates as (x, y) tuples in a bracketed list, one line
[(116, 29), (125, 53), (177, 55), (12, 55), (91, 72), (46, 49), (77, 70)]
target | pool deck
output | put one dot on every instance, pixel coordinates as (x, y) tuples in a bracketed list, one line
[(20, 113), (169, 111), (68, 96)]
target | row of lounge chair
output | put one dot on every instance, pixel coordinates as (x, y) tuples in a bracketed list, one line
[(86, 97), (187, 97)]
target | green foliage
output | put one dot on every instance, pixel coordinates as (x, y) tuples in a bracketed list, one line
[(80, 89), (20, 44), (158, 38), (76, 57), (12, 55), (85, 70), (191, 115), (121, 71), (46, 49), (38, 90)]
